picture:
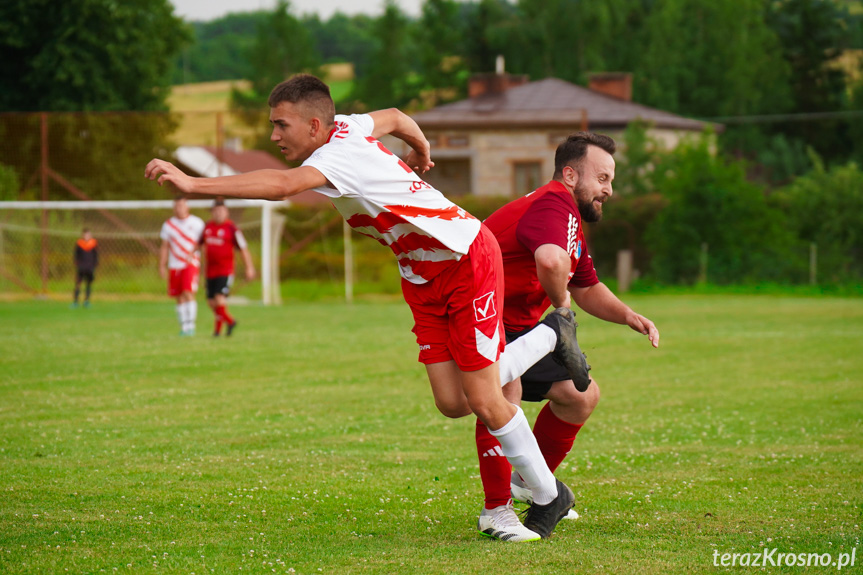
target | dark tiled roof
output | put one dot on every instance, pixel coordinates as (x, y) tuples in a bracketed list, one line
[(248, 160), (548, 103)]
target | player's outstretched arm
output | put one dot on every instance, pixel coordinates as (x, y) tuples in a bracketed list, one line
[(599, 301), (163, 260), (395, 122), (248, 264), (257, 185)]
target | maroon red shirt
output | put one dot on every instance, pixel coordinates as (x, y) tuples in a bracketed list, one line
[(219, 241), (547, 215)]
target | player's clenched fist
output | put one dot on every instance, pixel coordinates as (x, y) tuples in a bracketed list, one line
[(163, 171)]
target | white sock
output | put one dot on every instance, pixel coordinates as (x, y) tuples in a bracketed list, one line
[(181, 314), (519, 445), (192, 313), (521, 354), (187, 317)]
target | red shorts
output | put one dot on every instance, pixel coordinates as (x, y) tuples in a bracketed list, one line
[(182, 280), (458, 315)]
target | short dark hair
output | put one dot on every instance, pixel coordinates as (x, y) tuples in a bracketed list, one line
[(218, 202), (571, 152), (308, 90)]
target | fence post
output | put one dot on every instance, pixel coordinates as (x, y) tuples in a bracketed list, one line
[(624, 270), (266, 257), (702, 267), (2, 261), (45, 175), (813, 263), (349, 263), (278, 228)]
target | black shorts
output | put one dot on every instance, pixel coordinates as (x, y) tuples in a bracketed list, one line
[(219, 285), (85, 275), (537, 380)]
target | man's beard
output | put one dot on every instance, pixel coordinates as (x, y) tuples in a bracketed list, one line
[(585, 207)]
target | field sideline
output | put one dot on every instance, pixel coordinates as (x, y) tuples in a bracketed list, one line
[(309, 443)]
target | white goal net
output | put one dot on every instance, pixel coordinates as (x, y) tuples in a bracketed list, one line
[(37, 242)]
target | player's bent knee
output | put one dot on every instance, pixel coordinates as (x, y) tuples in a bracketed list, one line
[(453, 406), (577, 404), (453, 411)]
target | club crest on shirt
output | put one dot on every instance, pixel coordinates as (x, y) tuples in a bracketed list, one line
[(341, 130), (483, 307)]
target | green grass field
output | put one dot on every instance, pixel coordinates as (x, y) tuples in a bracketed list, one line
[(309, 443)]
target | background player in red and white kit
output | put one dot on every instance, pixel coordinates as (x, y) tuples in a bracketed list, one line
[(545, 260), (450, 264), (219, 239), (180, 262)]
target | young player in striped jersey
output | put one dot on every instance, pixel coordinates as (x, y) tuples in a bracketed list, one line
[(220, 238), (180, 262), (452, 276)]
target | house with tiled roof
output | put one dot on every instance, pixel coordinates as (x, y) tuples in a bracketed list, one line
[(501, 139)]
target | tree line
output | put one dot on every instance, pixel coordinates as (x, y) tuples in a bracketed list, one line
[(782, 76)]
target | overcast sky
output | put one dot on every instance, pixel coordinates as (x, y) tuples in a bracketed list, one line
[(210, 9)]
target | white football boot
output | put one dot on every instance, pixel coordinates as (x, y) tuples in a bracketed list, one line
[(502, 523)]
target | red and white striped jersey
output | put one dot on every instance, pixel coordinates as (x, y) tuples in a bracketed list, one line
[(381, 197), (182, 237)]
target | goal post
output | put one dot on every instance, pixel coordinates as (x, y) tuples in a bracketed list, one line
[(37, 239)]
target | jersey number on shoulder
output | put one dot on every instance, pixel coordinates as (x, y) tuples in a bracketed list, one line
[(383, 149)]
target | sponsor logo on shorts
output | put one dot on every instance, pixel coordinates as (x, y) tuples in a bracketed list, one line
[(483, 307), (425, 347)]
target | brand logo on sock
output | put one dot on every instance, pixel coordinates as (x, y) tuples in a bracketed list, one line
[(496, 452), (483, 307)]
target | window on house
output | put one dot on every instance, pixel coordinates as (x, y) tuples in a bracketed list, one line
[(526, 177), (457, 140), (452, 176)]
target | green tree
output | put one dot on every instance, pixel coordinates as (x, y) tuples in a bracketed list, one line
[(711, 59), (283, 47), (710, 202), (491, 26), (219, 50), (440, 34), (570, 38), (343, 38), (826, 208), (87, 55), (813, 33), (389, 79)]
